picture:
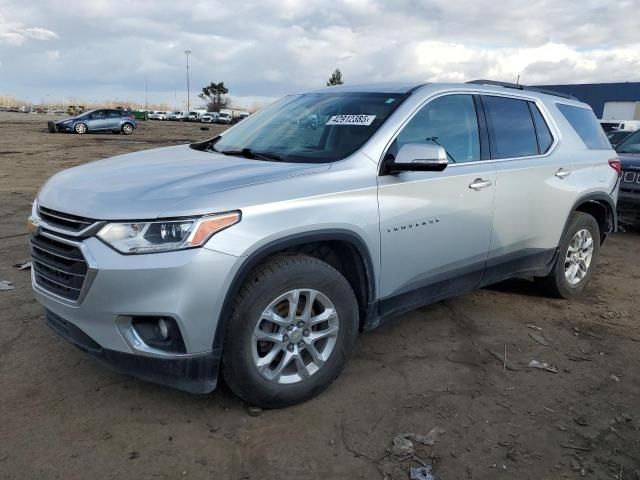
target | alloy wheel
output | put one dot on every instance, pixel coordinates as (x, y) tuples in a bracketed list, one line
[(578, 258), (294, 336)]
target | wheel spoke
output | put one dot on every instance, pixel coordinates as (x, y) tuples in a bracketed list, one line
[(294, 299), (273, 317), (332, 331), (571, 272), (328, 314), (268, 358), (302, 368), (284, 361), (315, 355), (261, 335), (308, 306)]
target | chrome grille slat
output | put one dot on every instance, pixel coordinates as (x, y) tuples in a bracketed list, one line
[(59, 267), (50, 252), (49, 279), (59, 250), (64, 221), (48, 265)]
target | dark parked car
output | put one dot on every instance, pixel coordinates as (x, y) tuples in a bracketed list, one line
[(102, 120), (617, 136), (629, 199)]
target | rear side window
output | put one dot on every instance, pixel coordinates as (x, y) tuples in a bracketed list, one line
[(511, 130), (545, 139), (586, 126)]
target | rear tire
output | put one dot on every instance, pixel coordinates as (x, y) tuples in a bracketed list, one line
[(127, 128), (578, 252), (288, 367)]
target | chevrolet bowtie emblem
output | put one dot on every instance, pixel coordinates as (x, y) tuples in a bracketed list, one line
[(33, 225)]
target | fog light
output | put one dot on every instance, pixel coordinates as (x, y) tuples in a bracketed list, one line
[(161, 333), (163, 327)]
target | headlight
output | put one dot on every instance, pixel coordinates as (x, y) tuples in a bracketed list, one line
[(163, 236)]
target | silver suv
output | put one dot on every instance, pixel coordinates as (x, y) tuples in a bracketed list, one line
[(260, 254)]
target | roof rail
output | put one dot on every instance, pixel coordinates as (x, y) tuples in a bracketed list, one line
[(523, 87)]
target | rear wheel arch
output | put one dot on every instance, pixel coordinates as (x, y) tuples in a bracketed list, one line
[(601, 207), (344, 250)]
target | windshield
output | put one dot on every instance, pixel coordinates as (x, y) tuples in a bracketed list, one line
[(631, 144), (312, 128)]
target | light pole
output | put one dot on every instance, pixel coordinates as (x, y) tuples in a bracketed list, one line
[(187, 53)]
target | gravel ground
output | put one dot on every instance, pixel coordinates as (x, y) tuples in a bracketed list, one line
[(65, 416)]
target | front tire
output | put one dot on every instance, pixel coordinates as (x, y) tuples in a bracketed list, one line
[(80, 128), (577, 255), (293, 326)]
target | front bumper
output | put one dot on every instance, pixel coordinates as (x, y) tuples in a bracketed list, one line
[(194, 374), (188, 286), (629, 205)]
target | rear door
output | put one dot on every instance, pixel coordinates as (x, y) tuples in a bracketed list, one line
[(114, 118), (435, 227), (534, 189)]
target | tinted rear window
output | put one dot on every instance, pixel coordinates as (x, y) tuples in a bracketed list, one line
[(511, 130), (545, 139), (586, 126)]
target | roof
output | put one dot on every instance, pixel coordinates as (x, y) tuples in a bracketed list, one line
[(479, 85), (597, 94), (372, 88)]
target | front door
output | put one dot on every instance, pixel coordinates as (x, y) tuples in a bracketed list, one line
[(435, 227), (98, 120)]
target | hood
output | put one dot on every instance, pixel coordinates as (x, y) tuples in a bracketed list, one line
[(630, 160), (142, 185), (74, 118)]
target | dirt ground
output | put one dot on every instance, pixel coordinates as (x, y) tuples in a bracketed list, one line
[(64, 416)]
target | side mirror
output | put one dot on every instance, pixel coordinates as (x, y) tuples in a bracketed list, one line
[(418, 157)]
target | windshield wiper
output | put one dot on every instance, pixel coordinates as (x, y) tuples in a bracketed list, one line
[(248, 153), (435, 140)]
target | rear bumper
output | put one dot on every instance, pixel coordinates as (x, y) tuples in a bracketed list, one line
[(196, 374)]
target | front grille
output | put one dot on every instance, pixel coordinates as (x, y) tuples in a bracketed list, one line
[(64, 221), (58, 267)]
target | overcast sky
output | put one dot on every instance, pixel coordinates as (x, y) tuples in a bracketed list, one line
[(104, 49)]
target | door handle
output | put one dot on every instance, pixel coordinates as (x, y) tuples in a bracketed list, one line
[(562, 173), (480, 183)]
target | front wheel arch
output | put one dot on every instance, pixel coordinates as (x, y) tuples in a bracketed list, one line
[(296, 243)]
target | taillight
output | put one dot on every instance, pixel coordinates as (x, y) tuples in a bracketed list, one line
[(616, 165)]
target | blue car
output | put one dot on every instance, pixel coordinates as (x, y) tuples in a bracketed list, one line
[(102, 120)]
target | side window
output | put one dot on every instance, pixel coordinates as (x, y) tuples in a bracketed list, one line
[(98, 114), (114, 114), (449, 121), (586, 126), (511, 130), (545, 139)]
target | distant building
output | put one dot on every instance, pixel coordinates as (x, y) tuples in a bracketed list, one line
[(610, 101)]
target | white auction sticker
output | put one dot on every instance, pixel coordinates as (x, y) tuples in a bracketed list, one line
[(351, 120)]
